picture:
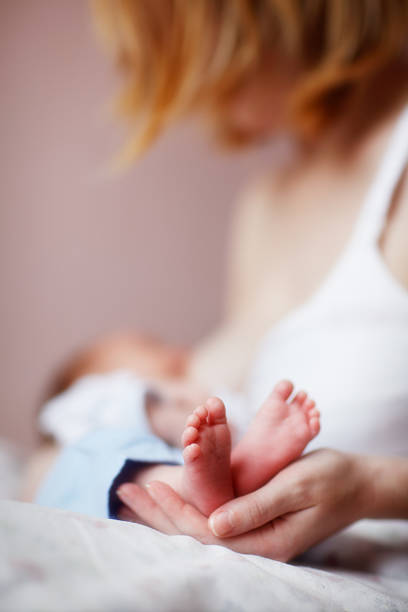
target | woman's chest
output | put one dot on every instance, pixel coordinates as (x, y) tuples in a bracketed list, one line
[(303, 237), (307, 228), (302, 233), (353, 364)]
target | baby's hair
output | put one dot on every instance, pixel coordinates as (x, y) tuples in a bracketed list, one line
[(180, 55)]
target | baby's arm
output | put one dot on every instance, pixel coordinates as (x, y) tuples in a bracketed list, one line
[(169, 406)]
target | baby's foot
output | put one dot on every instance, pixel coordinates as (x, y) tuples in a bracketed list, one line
[(206, 479), (277, 436)]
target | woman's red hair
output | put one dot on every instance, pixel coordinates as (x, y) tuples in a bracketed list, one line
[(182, 55)]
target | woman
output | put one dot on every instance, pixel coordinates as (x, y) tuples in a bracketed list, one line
[(319, 259)]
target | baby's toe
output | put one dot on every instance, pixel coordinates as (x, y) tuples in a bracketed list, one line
[(313, 416), (193, 421), (191, 453), (314, 425), (216, 411), (202, 413), (313, 413), (190, 434), (299, 399), (283, 389), (309, 405)]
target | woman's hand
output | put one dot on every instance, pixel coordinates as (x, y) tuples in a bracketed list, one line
[(311, 499)]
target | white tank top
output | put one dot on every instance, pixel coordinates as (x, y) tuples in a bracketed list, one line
[(348, 344)]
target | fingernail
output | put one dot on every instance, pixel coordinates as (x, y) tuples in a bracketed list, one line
[(220, 524), (123, 492)]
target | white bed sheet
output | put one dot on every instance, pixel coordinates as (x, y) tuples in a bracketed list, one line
[(52, 560)]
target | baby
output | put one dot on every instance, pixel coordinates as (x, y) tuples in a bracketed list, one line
[(212, 474)]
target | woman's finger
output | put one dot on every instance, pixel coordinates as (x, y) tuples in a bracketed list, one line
[(189, 521), (293, 534), (272, 540), (243, 514), (126, 514), (185, 518), (145, 510)]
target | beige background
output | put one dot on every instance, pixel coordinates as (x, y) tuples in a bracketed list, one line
[(81, 253)]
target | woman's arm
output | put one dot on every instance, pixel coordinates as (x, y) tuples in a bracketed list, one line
[(388, 487), (226, 354), (305, 503)]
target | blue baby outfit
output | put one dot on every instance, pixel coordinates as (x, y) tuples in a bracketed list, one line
[(101, 423)]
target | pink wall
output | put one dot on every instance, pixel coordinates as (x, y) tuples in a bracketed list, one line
[(82, 253)]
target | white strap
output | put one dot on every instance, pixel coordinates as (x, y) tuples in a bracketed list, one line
[(379, 197)]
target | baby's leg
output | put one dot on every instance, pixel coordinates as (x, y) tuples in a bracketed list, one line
[(205, 480), (207, 477), (170, 474), (278, 435)]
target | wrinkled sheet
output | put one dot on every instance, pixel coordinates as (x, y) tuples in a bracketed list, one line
[(52, 560)]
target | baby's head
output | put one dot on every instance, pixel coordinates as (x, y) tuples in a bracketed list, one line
[(145, 355)]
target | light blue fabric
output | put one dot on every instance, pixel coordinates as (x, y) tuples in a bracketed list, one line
[(82, 477)]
